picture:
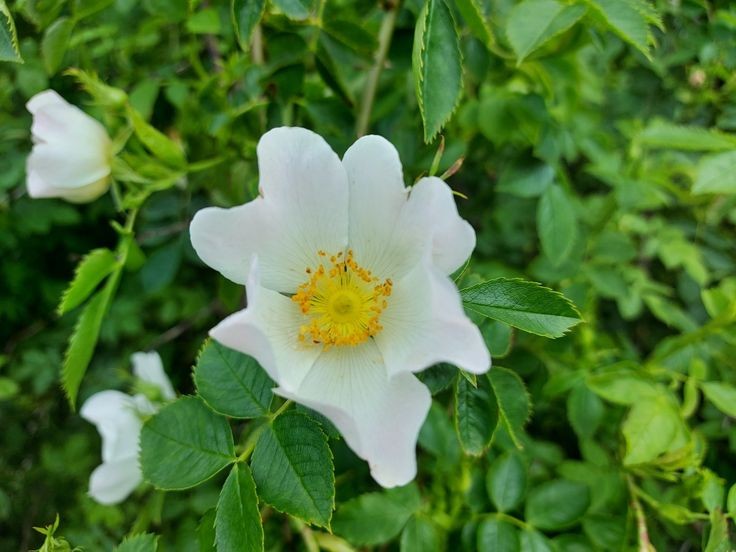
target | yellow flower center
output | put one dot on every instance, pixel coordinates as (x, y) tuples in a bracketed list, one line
[(341, 302)]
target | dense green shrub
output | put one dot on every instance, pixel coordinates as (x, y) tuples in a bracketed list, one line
[(599, 159)]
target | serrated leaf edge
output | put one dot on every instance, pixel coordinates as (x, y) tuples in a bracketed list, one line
[(503, 417), (539, 286), (13, 33), (328, 526), (423, 18)]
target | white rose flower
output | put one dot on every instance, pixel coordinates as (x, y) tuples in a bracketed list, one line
[(348, 290), (71, 154), (119, 419)]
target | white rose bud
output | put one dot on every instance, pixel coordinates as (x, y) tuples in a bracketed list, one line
[(71, 153)]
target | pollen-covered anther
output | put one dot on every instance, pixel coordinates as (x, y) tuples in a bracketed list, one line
[(342, 302)]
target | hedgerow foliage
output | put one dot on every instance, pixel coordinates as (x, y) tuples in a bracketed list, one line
[(598, 158)]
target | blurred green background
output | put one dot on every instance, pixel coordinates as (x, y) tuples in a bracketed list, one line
[(599, 160)]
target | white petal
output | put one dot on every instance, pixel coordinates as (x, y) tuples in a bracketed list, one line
[(69, 164), (112, 482), (116, 418), (56, 120), (44, 99), (72, 149), (149, 368), (304, 209), (268, 330), (424, 324), (431, 208), (377, 196), (38, 188), (379, 417)]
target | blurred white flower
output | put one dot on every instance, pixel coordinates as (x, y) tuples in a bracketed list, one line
[(348, 288), (119, 419), (71, 153)]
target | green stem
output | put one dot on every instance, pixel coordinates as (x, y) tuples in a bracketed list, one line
[(371, 84), (250, 443), (255, 434), (512, 520), (641, 521), (318, 27), (280, 410)]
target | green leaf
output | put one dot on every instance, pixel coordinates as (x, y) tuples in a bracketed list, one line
[(556, 224), (159, 144), (514, 405), (330, 73), (712, 491), (292, 467), (622, 387), (9, 50), (232, 383), (664, 134), (731, 501), (238, 522), (376, 518), (472, 13), (295, 9), (651, 428), (55, 43), (525, 305), (526, 179), (206, 21), (161, 267), (185, 444), (533, 541), (206, 531), (84, 339), (246, 14), (722, 395), (557, 504), (494, 534), (437, 67), (476, 414), (85, 8), (438, 377), (145, 542), (420, 535), (585, 411), (716, 174), (625, 20), (91, 270), (719, 539), (506, 481), (352, 35), (533, 23), (438, 437), (8, 388)]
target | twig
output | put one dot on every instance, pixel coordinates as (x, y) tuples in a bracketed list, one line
[(645, 544), (371, 84), (179, 329)]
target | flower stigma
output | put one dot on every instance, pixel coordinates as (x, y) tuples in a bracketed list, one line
[(342, 302)]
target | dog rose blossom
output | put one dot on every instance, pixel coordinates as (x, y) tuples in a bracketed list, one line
[(119, 419), (346, 273), (71, 153)]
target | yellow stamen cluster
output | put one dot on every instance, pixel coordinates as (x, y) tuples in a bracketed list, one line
[(342, 302)]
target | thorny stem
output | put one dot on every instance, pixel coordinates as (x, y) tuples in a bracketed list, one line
[(371, 84)]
